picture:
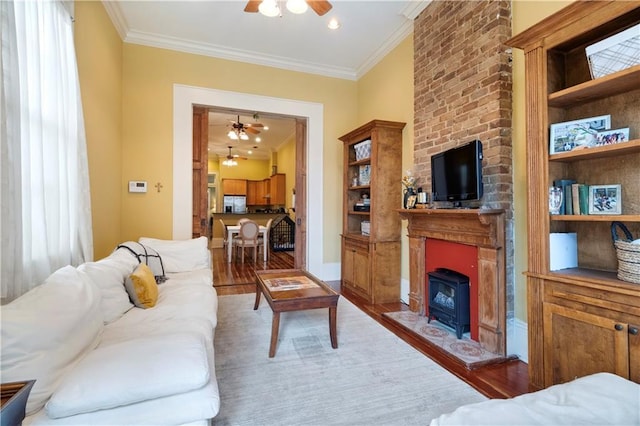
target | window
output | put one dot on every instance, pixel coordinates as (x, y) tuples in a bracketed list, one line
[(46, 213)]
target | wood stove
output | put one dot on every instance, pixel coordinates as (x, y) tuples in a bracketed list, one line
[(449, 299)]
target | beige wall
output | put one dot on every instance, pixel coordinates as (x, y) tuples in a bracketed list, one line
[(287, 165), (386, 93), (525, 14), (99, 55), (149, 75)]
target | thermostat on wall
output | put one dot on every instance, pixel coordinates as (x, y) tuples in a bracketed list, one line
[(137, 186)]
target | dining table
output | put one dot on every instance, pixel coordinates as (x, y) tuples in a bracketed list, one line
[(233, 230)]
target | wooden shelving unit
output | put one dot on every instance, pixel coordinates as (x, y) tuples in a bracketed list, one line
[(371, 263), (580, 320)]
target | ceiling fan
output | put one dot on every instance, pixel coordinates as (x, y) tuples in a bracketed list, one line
[(319, 6), (231, 159), (239, 128)]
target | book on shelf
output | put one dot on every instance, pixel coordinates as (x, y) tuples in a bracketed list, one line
[(583, 191), (564, 183), (580, 198)]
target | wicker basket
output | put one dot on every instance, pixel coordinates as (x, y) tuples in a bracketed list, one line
[(628, 254)]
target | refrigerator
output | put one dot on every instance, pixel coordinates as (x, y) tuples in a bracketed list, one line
[(235, 204)]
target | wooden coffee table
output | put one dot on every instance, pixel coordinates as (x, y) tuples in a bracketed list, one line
[(295, 290)]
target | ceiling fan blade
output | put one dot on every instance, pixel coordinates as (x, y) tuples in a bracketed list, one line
[(319, 6), (260, 125), (252, 6), (251, 130)]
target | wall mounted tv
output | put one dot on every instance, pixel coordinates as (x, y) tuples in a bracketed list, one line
[(456, 174)]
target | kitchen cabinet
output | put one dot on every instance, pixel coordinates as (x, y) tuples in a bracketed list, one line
[(234, 186), (277, 189), (583, 319), (252, 193), (262, 190)]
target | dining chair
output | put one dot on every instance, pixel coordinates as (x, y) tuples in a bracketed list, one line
[(247, 238), (225, 234), (261, 237), (242, 219)]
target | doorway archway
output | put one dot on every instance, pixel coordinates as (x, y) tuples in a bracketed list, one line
[(185, 97)]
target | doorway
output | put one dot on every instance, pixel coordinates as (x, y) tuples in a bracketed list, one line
[(256, 146), (185, 97)]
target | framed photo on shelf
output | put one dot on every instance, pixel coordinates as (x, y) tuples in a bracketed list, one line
[(364, 175), (605, 199), (411, 201), (577, 134), (609, 137)]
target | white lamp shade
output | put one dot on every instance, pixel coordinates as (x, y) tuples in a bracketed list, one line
[(269, 8), (297, 6)]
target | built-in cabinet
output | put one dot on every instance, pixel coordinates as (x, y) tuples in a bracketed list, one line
[(371, 261), (580, 320)]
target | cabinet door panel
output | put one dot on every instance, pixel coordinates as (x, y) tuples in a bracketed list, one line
[(361, 271), (577, 344), (355, 269)]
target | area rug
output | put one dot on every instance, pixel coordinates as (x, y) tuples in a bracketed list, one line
[(372, 378), (467, 351)]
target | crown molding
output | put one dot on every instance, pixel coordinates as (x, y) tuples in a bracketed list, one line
[(117, 17), (414, 8), (216, 51), (410, 12), (390, 44)]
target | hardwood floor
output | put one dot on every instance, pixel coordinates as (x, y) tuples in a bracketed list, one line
[(504, 380)]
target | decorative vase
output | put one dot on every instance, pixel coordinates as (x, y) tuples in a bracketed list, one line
[(408, 193)]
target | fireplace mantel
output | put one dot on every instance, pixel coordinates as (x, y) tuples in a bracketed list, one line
[(482, 228)]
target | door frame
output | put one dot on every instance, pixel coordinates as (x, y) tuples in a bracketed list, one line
[(185, 97)]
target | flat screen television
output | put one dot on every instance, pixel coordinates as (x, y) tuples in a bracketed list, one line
[(456, 174)]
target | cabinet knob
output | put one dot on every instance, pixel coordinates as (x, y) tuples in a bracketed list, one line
[(633, 330), (619, 327)]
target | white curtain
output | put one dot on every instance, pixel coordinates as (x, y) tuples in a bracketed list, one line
[(46, 207)]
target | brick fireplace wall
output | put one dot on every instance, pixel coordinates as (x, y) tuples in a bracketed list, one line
[(462, 73)]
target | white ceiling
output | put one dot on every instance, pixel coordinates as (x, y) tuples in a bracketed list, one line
[(280, 129), (369, 30)]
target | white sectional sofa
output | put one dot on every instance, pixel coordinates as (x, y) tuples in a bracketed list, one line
[(98, 359)]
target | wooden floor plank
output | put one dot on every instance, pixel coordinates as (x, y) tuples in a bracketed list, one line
[(504, 380)]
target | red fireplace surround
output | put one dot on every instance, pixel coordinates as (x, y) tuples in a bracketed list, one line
[(483, 230)]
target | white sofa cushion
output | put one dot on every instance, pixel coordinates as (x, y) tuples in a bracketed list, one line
[(180, 255), (109, 275), (47, 330), (130, 372), (597, 399)]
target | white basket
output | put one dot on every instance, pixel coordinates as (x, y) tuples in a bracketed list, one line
[(615, 53), (363, 149)]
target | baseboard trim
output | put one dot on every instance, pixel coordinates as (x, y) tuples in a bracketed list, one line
[(517, 339)]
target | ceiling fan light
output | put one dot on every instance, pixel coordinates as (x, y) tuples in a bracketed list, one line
[(297, 6), (333, 24), (232, 135), (269, 8), (244, 136)]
